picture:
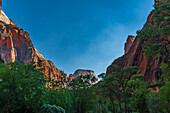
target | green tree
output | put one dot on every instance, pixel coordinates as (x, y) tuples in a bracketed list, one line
[(155, 35), (153, 102), (46, 108), (138, 89), (116, 84), (21, 88), (58, 97), (164, 92), (83, 94)]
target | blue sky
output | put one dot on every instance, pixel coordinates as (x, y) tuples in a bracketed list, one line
[(79, 34)]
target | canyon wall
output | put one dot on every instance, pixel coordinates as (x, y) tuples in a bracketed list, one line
[(149, 66), (16, 45)]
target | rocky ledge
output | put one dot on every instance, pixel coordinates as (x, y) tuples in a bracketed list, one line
[(16, 45)]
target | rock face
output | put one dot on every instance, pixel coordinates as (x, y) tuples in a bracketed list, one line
[(0, 3), (129, 43), (149, 67), (81, 72), (71, 77), (16, 45)]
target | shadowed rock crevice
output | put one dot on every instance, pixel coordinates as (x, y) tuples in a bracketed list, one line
[(149, 66), (16, 45)]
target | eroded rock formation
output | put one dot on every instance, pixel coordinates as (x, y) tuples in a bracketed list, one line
[(129, 43), (71, 77), (82, 72), (0, 3), (16, 45), (149, 67)]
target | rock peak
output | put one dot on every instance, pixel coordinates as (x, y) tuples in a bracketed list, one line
[(129, 43), (4, 18), (0, 4)]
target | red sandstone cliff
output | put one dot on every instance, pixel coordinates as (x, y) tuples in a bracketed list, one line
[(129, 42), (149, 67), (16, 45), (71, 77)]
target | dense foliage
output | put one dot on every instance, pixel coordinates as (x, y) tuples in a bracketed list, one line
[(155, 34), (23, 88)]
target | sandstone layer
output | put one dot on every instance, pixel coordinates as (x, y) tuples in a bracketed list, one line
[(71, 77), (82, 72), (149, 66), (16, 45)]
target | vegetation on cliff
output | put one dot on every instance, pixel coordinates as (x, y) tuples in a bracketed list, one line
[(156, 34), (23, 88)]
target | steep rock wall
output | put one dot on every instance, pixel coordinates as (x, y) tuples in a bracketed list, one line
[(16, 45), (149, 67)]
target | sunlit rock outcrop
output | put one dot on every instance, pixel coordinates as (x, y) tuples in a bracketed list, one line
[(71, 77), (16, 45), (129, 43), (82, 72)]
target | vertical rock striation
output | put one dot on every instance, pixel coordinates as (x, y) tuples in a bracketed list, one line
[(129, 43), (16, 45), (71, 77), (149, 67)]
